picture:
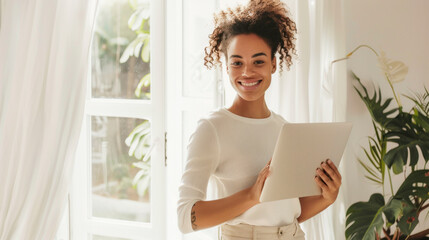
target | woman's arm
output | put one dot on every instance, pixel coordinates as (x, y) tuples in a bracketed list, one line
[(329, 181), (207, 214)]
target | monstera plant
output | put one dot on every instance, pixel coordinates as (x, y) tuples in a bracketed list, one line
[(400, 145)]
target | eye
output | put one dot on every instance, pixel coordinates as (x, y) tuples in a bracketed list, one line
[(259, 62), (236, 63)]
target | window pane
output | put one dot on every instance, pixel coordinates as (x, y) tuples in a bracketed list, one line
[(121, 50), (198, 81), (120, 182)]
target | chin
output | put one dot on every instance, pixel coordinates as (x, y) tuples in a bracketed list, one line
[(249, 98)]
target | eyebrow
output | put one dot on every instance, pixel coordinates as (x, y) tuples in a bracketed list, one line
[(254, 55)]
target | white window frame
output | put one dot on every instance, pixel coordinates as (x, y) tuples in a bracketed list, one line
[(82, 225), (177, 106)]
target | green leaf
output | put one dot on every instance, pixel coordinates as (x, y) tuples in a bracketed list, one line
[(138, 176), (395, 159), (137, 19), (143, 185), (421, 101), (409, 218), (364, 219), (136, 141), (145, 166), (144, 126), (376, 179), (146, 50), (392, 210), (374, 104), (133, 47), (136, 136), (133, 4), (137, 49), (416, 184), (144, 82), (142, 147), (129, 51), (408, 135)]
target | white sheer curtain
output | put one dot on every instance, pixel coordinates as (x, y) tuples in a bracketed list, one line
[(312, 92), (44, 49)]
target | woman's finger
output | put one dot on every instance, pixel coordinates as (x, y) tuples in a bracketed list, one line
[(332, 165), (325, 178), (320, 183), (335, 175), (263, 174), (329, 171)]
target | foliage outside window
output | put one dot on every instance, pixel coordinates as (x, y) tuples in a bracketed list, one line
[(121, 146)]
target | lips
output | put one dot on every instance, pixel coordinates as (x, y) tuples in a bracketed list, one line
[(251, 83)]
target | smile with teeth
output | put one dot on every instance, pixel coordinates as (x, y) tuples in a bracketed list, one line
[(249, 84)]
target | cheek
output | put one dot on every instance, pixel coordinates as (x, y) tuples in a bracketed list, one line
[(233, 73)]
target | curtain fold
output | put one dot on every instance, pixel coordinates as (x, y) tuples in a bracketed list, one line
[(316, 92), (44, 53)]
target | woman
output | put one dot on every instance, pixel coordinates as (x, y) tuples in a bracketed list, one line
[(232, 145)]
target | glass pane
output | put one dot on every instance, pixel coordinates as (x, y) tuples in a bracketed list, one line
[(121, 50), (197, 25), (121, 168)]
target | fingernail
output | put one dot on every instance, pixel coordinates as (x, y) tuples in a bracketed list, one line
[(329, 161)]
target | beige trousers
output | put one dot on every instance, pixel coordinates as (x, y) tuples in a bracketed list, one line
[(244, 231)]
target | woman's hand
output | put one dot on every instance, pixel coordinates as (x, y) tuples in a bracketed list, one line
[(256, 189), (328, 178)]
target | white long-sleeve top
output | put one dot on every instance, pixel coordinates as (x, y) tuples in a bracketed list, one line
[(232, 150)]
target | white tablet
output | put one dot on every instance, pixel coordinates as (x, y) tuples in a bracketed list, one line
[(300, 149)]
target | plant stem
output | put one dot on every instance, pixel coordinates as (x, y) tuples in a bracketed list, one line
[(387, 77), (394, 93), (395, 235), (363, 45), (383, 164), (386, 234), (390, 179), (424, 207), (420, 234)]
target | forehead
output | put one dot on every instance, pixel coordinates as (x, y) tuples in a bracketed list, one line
[(246, 45)]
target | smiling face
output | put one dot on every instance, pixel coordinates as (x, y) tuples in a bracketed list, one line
[(249, 66)]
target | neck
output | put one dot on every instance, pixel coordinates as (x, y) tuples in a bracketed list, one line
[(250, 109)]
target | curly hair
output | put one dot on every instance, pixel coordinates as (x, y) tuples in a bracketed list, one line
[(268, 19)]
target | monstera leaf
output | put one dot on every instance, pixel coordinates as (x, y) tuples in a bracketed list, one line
[(374, 104), (409, 132), (364, 219), (409, 218), (416, 184)]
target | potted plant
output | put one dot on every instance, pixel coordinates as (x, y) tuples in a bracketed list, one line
[(401, 141)]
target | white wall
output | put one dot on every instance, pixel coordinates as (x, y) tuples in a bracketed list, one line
[(401, 29)]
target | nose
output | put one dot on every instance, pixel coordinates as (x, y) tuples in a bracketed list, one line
[(247, 71)]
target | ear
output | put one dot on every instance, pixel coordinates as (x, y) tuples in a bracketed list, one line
[(274, 64)]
